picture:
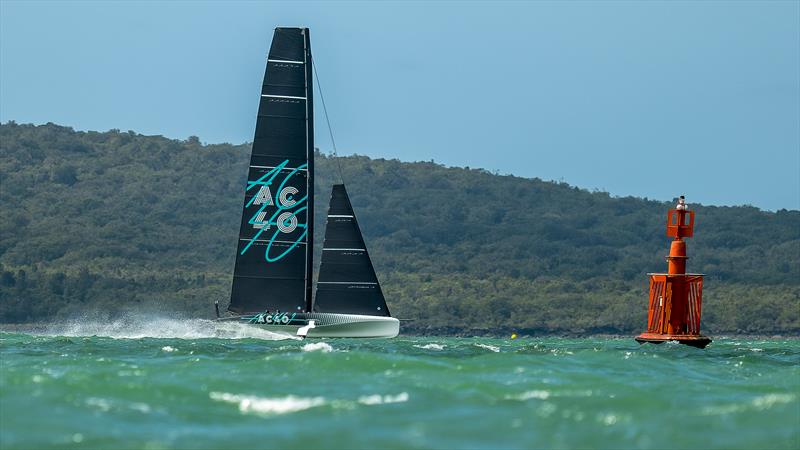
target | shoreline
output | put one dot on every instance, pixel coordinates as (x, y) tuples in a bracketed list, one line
[(48, 328)]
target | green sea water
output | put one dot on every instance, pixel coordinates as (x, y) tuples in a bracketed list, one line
[(188, 384)]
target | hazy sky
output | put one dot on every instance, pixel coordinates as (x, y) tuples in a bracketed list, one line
[(650, 99)]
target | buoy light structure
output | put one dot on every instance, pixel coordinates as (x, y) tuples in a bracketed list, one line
[(676, 297)]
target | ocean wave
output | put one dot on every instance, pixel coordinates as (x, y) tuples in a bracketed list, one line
[(383, 399), (489, 347), (756, 404), (323, 347), (292, 404), (767, 401), (534, 398), (537, 394), (106, 405), (430, 346), (263, 405)]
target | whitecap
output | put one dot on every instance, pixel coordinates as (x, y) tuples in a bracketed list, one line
[(323, 347), (758, 403), (53, 373), (489, 347), (722, 409), (767, 401), (430, 346), (383, 399), (546, 409), (143, 408), (537, 394), (99, 403), (557, 351), (609, 419), (168, 349), (264, 405)]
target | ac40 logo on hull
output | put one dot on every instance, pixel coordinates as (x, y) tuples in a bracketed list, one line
[(277, 318), (276, 212)]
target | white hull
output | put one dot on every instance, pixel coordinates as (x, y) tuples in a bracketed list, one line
[(330, 325)]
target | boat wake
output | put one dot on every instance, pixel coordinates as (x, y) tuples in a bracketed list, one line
[(137, 327)]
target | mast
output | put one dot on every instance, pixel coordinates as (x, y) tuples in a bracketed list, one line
[(274, 251), (310, 157)]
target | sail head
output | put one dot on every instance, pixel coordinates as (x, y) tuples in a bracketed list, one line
[(347, 282)]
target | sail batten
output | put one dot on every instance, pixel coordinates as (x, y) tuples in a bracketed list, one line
[(275, 245), (347, 281)]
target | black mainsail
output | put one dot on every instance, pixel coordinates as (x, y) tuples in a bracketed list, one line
[(275, 249), (347, 282)]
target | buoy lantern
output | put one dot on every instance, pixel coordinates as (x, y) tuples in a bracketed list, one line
[(676, 297)]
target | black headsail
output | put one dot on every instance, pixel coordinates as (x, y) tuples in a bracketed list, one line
[(347, 282), (274, 255)]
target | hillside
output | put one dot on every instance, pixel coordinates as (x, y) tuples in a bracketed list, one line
[(112, 222)]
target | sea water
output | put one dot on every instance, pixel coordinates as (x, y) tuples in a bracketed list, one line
[(161, 384)]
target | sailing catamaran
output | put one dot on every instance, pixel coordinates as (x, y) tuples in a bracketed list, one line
[(272, 279)]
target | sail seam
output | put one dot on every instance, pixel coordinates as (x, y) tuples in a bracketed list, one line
[(284, 61), (272, 167), (283, 96), (266, 278), (274, 242), (276, 116)]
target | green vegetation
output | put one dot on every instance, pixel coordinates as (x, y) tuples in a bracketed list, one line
[(109, 223)]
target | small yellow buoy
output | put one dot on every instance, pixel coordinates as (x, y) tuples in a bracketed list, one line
[(513, 335)]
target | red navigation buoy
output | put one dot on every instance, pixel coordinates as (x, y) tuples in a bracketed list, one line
[(676, 297)]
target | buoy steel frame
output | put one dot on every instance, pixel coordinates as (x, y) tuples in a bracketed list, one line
[(676, 297)]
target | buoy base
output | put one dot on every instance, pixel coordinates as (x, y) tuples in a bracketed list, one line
[(694, 340)]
